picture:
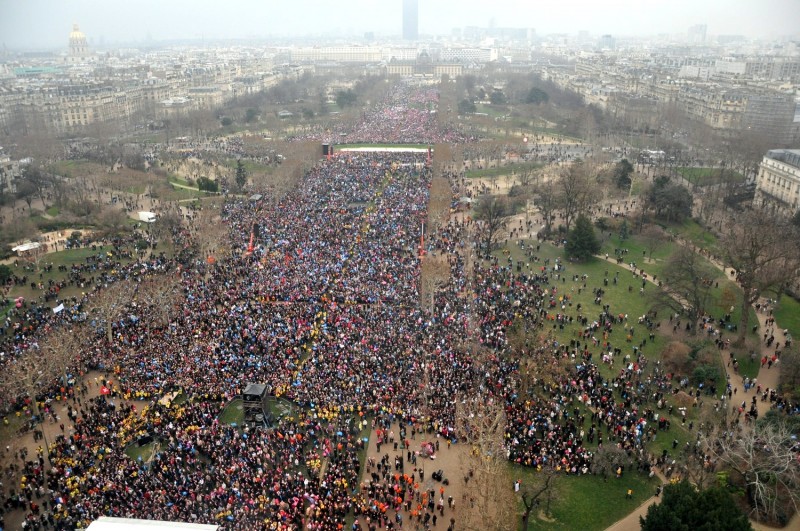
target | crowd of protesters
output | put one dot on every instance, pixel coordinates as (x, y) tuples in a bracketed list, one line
[(408, 115), (324, 309)]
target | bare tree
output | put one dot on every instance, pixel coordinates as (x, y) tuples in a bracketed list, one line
[(111, 303), (39, 181), (610, 460), (532, 494), (481, 421), (210, 234), (548, 202), (576, 193), (158, 297), (41, 367), (434, 275), (165, 224), (113, 221), (439, 202), (525, 176), (789, 377), (154, 298), (531, 347), (652, 236), (765, 457), (756, 247), (490, 214), (688, 280)]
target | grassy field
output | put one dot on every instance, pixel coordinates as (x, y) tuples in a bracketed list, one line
[(73, 168), (502, 170), (588, 502), (233, 413), (250, 166), (639, 252), (174, 179), (135, 452), (719, 303), (66, 258), (624, 298), (279, 407), (494, 111), (694, 232), (787, 315), (706, 176)]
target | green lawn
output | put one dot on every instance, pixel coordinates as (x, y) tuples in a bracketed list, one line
[(5, 309), (179, 194), (787, 315), (653, 263), (279, 407), (73, 168), (588, 502), (706, 176), (233, 413), (172, 178), (716, 306), (625, 301), (502, 170), (695, 233), (250, 166), (134, 451), (66, 258), (494, 111), (53, 211), (748, 366)]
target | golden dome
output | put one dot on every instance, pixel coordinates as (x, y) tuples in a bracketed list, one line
[(76, 34)]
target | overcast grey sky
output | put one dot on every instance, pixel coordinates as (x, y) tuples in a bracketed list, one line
[(47, 23)]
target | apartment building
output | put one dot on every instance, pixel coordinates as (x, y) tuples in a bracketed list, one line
[(778, 181)]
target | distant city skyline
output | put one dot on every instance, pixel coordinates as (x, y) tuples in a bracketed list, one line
[(410, 19), (46, 23)]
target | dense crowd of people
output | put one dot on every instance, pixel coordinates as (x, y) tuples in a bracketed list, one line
[(406, 116), (324, 310)]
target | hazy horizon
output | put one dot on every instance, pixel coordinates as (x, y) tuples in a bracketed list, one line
[(46, 23)]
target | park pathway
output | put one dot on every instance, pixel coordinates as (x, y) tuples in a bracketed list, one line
[(767, 378)]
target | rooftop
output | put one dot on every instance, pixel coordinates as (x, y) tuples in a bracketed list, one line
[(789, 156)]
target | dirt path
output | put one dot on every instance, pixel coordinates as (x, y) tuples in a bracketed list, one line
[(16, 442), (449, 459)]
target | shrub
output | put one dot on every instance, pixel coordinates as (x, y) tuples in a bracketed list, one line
[(675, 357)]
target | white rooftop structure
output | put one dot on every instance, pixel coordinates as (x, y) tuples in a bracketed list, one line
[(25, 247), (109, 523)]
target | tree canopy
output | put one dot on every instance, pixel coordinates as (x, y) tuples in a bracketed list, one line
[(346, 98), (536, 96), (241, 174), (670, 201), (683, 508), (498, 97), (622, 174), (757, 248), (466, 107), (581, 241)]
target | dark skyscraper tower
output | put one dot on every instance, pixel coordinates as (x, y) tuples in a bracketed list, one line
[(410, 20)]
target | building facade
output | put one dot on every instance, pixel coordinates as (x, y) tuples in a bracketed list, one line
[(778, 181)]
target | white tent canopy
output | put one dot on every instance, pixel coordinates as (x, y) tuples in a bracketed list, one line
[(108, 523)]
